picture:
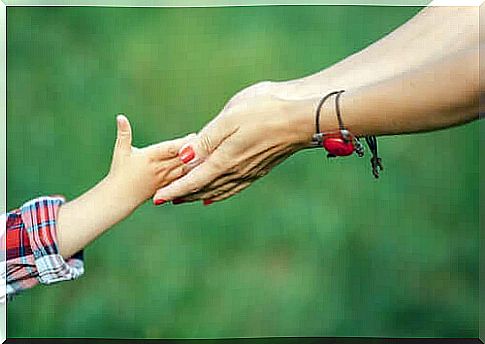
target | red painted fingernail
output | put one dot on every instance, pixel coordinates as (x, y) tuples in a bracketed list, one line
[(159, 201), (178, 201), (187, 154), (208, 202)]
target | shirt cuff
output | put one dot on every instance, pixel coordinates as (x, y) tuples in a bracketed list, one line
[(39, 217)]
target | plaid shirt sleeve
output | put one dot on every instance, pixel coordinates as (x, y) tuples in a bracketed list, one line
[(32, 255)]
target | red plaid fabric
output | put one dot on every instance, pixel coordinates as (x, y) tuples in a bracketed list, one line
[(32, 256)]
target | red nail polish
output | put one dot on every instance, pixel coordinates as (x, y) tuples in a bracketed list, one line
[(208, 202), (159, 201), (178, 201), (187, 154)]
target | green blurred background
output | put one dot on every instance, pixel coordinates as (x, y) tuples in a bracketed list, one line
[(317, 248)]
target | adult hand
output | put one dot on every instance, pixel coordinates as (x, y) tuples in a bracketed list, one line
[(254, 132)]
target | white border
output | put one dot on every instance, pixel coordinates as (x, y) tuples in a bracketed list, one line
[(162, 3), (3, 162), (226, 3)]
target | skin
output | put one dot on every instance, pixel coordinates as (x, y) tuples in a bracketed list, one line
[(433, 34), (134, 176), (422, 77)]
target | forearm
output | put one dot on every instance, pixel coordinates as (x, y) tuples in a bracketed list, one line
[(430, 35), (413, 80), (85, 218), (438, 95)]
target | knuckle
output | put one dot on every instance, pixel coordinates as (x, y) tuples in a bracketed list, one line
[(234, 170), (260, 85), (248, 171), (193, 187), (259, 88), (172, 151), (154, 171), (261, 173), (206, 144), (176, 173), (124, 135), (160, 169), (231, 101), (214, 194), (183, 170)]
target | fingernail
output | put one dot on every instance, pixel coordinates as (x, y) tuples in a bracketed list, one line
[(178, 201), (159, 201), (208, 202), (119, 116), (187, 154)]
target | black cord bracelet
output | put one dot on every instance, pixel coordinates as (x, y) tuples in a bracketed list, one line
[(375, 160), (318, 138), (319, 109)]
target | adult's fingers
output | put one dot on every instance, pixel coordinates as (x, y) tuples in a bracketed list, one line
[(229, 180), (242, 184), (190, 183), (206, 142), (225, 195), (209, 193), (174, 173), (203, 173)]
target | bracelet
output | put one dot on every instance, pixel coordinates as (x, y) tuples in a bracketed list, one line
[(342, 142)]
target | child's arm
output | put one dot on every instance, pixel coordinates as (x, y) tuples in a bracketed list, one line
[(45, 236), (134, 177)]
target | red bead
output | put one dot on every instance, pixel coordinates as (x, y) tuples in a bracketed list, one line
[(338, 146)]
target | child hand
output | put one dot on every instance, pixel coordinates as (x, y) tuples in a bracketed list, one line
[(139, 172)]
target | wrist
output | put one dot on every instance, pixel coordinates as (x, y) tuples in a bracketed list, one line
[(122, 195), (301, 114)]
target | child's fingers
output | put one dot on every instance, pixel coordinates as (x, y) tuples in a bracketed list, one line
[(169, 149), (192, 182), (175, 173), (123, 136), (165, 168)]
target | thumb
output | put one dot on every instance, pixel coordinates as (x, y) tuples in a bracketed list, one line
[(206, 142), (123, 136)]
